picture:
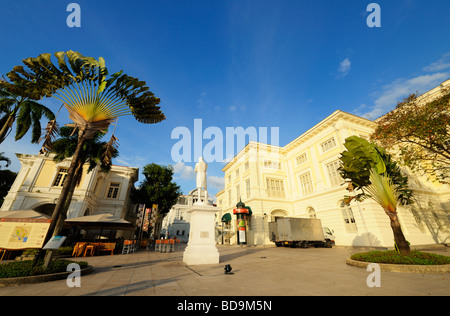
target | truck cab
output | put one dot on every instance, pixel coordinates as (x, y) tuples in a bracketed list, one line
[(329, 236)]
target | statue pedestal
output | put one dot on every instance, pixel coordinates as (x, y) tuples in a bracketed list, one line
[(201, 248)]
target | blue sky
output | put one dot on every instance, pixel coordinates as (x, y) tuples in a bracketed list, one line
[(260, 63)]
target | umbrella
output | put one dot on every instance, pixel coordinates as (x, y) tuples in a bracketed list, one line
[(105, 220), (23, 214)]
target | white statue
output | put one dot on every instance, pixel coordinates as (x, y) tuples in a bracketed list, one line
[(200, 169)]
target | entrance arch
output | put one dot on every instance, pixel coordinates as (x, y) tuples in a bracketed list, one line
[(278, 214), (46, 209)]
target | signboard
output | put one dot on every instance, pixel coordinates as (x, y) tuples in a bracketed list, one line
[(241, 230), (154, 214), (241, 225), (140, 215), (23, 233), (55, 242), (146, 220)]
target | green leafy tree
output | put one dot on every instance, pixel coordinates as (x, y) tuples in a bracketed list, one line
[(157, 188), (93, 98), (375, 175), (26, 112), (421, 131), (7, 178)]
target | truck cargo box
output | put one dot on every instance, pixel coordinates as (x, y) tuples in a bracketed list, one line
[(299, 229), (296, 229)]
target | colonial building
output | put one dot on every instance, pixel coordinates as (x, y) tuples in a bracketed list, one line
[(301, 180), (39, 182), (177, 222)]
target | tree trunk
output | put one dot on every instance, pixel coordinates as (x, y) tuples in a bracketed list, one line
[(68, 199), (64, 192), (62, 216), (399, 238), (5, 128)]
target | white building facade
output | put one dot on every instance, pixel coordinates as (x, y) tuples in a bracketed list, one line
[(301, 180), (176, 223), (39, 182)]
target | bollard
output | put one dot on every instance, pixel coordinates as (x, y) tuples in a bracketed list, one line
[(171, 245), (158, 245), (164, 245)]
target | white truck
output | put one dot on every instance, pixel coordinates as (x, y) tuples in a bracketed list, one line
[(300, 232)]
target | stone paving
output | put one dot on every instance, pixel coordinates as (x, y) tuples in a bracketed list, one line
[(256, 271)]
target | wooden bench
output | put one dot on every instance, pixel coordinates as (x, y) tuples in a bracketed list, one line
[(109, 246)]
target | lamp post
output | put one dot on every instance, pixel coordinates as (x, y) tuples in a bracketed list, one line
[(241, 212)]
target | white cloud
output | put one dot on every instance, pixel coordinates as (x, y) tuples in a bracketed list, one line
[(390, 94), (201, 100), (441, 64), (127, 160), (122, 162), (10, 147), (345, 66), (185, 172), (394, 92), (216, 182)]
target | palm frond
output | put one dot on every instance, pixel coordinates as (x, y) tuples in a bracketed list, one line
[(110, 150), (50, 133), (4, 158), (383, 191), (93, 98)]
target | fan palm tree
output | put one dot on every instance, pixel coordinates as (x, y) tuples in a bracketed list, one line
[(25, 112), (92, 97), (372, 171)]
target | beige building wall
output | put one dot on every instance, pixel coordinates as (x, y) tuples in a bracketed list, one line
[(39, 182), (300, 180)]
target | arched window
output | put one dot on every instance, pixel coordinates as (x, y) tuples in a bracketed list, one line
[(311, 212), (349, 219)]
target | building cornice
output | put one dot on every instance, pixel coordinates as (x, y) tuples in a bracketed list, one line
[(325, 123), (316, 129)]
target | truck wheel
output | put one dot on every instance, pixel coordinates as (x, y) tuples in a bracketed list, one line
[(328, 243)]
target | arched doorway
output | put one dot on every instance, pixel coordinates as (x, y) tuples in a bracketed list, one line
[(87, 212), (278, 214), (46, 209)]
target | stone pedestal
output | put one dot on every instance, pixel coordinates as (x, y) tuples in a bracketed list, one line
[(201, 248)]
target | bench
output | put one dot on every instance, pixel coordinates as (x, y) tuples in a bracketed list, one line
[(108, 247)]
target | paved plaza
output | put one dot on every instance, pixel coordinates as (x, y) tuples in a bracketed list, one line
[(257, 271)]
